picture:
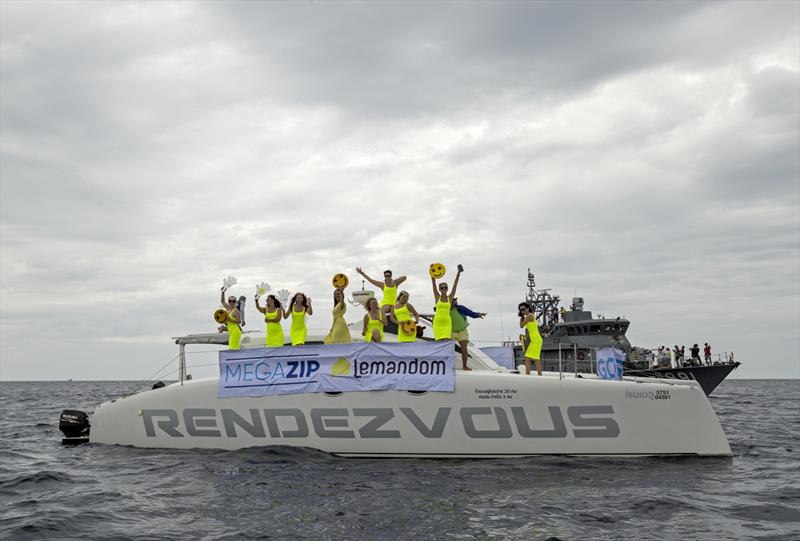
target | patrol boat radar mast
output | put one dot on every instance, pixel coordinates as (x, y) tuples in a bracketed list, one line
[(544, 305)]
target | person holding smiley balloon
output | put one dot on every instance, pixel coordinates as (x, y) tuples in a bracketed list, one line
[(442, 323), (339, 333), (233, 320), (405, 317)]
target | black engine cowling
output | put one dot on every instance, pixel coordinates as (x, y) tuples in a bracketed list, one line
[(74, 424)]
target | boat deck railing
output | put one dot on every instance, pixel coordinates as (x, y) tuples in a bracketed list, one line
[(714, 360)]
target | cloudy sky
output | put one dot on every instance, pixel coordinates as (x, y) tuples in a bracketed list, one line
[(643, 155)]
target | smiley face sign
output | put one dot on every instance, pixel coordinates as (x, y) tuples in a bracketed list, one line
[(340, 281), (437, 270), (409, 327), (220, 316)]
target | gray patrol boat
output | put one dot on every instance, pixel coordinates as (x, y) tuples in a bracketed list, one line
[(571, 339)]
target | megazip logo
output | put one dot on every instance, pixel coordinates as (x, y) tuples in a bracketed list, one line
[(271, 372)]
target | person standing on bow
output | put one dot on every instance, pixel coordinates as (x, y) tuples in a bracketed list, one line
[(527, 320), (339, 333), (299, 306), (696, 355), (402, 311), (234, 329), (388, 286), (374, 320), (458, 315), (442, 323), (273, 314)]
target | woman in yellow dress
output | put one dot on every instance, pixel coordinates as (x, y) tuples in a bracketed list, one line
[(234, 317), (339, 334), (442, 324), (402, 311), (299, 306), (374, 320), (534, 351), (388, 286), (273, 314)]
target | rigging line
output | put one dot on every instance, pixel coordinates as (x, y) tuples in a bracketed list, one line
[(160, 369), (140, 381)]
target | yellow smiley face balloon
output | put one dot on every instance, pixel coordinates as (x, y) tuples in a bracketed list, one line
[(340, 281), (409, 327), (437, 270), (221, 316)]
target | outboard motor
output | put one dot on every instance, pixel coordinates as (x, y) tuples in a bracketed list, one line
[(75, 426)]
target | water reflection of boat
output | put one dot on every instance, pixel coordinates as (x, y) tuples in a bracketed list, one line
[(571, 339)]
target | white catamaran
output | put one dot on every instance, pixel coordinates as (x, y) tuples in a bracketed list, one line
[(492, 412)]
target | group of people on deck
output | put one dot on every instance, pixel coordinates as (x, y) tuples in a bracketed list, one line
[(449, 320), (663, 357)]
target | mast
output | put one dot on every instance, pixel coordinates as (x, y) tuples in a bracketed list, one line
[(544, 305)]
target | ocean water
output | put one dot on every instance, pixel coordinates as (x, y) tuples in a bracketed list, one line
[(106, 492)]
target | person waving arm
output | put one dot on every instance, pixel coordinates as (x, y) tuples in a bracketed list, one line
[(370, 280), (435, 290), (261, 309), (455, 283)]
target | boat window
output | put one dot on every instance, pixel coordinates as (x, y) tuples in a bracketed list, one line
[(595, 328), (607, 328), (586, 329), (571, 330), (624, 328)]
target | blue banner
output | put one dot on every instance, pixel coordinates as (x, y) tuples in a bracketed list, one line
[(610, 363), (501, 355), (318, 368)]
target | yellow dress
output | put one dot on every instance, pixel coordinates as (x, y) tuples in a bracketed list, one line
[(442, 324), (389, 295), (339, 334), (404, 314), (371, 325), (234, 332), (274, 329), (534, 350), (298, 330)]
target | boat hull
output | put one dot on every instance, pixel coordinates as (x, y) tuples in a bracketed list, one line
[(709, 377), (489, 415)]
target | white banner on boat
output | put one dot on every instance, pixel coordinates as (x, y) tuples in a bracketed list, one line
[(610, 363), (360, 366)]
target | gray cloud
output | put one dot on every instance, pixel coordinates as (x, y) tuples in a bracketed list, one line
[(644, 155)]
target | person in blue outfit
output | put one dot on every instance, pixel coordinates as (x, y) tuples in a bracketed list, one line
[(458, 315)]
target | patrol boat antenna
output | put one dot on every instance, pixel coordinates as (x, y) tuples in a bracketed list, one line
[(544, 305)]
